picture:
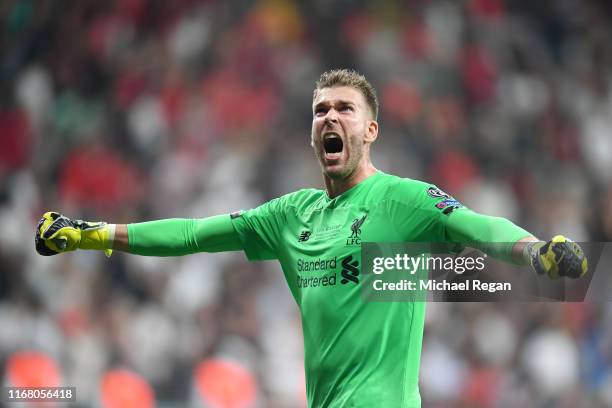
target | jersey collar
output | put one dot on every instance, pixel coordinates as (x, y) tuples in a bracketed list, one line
[(353, 190)]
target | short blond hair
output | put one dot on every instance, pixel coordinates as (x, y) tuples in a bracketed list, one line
[(352, 78)]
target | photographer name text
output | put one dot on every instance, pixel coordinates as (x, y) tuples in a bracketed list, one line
[(442, 285)]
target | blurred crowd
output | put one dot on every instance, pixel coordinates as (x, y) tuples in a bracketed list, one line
[(132, 110)]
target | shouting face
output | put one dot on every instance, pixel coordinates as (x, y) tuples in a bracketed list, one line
[(342, 129)]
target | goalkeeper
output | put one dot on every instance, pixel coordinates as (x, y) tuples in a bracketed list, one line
[(356, 354)]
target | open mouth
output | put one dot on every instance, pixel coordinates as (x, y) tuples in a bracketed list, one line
[(332, 144)]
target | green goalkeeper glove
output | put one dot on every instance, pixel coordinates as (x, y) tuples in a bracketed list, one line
[(558, 257), (57, 233)]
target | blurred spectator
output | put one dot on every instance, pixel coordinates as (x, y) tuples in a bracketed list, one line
[(224, 384), (32, 369), (124, 389)]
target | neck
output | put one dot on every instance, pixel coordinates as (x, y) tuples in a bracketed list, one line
[(335, 187)]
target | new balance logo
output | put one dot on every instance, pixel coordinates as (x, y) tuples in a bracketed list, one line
[(350, 270), (304, 235)]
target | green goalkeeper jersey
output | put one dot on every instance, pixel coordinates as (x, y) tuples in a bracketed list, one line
[(357, 354)]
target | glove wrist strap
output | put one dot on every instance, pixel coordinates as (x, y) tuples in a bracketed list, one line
[(99, 239), (530, 250), (531, 253), (111, 234)]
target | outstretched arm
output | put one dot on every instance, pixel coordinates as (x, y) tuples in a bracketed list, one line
[(170, 237), (504, 240), (179, 236), (496, 236)]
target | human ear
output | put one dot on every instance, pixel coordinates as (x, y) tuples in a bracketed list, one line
[(371, 131)]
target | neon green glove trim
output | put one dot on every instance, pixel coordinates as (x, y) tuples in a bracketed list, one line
[(558, 257), (100, 239), (57, 233)]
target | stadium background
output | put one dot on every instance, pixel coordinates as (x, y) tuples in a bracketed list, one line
[(131, 110)]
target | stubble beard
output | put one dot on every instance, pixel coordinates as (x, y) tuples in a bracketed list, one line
[(346, 169)]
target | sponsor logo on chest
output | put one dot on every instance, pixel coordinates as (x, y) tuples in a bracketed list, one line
[(323, 272)]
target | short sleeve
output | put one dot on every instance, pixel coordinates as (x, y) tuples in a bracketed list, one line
[(259, 229)]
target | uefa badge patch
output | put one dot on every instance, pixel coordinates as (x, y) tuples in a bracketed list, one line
[(448, 206), (435, 192)]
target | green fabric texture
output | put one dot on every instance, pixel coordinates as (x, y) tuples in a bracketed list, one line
[(495, 236), (181, 236), (357, 354), (361, 354)]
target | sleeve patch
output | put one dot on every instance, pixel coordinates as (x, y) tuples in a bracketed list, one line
[(235, 214), (448, 206), (435, 192), (443, 201), (448, 203)]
